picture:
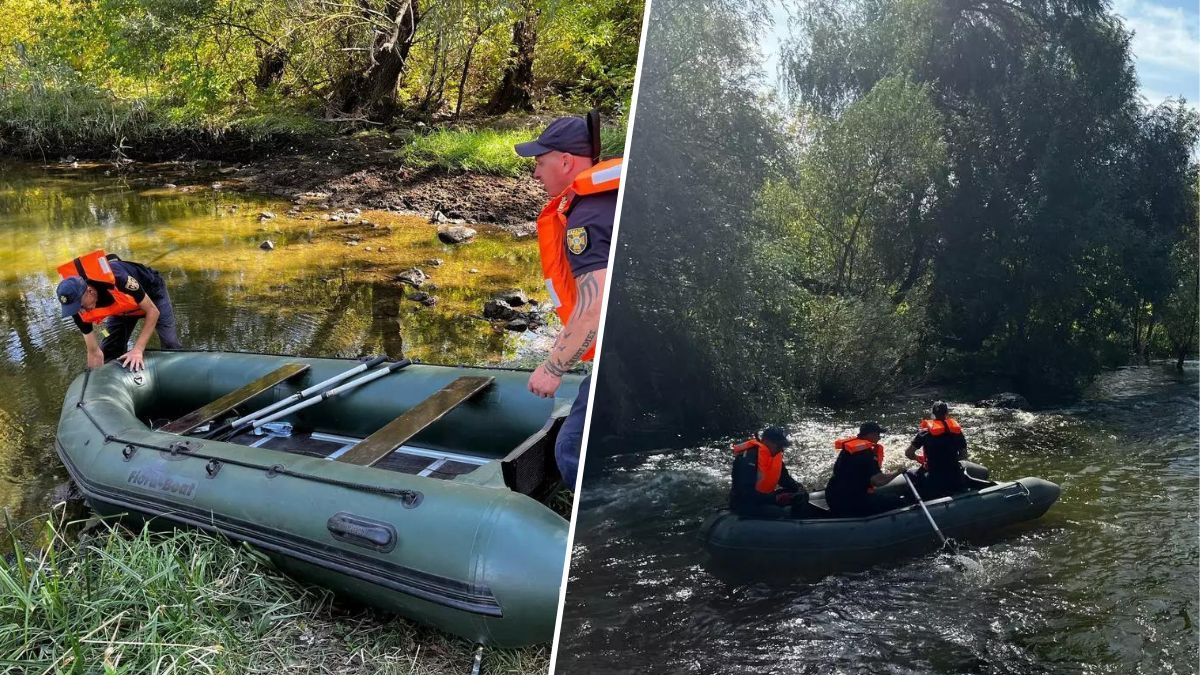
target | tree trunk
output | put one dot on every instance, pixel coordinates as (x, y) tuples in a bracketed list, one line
[(271, 62), (466, 69), (372, 92), (516, 88), (1149, 338)]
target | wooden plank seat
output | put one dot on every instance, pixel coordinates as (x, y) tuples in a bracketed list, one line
[(400, 430), (233, 399)]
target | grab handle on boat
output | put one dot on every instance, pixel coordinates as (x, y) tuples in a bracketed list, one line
[(360, 531)]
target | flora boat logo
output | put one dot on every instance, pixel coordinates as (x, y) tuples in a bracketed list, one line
[(161, 482)]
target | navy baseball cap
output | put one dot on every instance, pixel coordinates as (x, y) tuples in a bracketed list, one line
[(777, 436), (565, 134), (871, 428), (70, 294)]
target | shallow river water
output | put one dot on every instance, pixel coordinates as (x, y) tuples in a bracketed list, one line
[(327, 289), (1106, 582)]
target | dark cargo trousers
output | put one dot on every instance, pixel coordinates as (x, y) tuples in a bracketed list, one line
[(120, 328)]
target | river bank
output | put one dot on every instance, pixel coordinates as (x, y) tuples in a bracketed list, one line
[(364, 170)]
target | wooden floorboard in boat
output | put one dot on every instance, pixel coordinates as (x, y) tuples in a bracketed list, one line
[(399, 431)]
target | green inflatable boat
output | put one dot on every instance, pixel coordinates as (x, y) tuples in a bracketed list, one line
[(410, 487), (822, 544)]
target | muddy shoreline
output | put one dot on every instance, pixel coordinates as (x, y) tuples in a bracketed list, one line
[(337, 173)]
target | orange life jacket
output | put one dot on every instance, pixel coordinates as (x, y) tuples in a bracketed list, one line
[(95, 267), (770, 467), (854, 444), (552, 234), (939, 427)]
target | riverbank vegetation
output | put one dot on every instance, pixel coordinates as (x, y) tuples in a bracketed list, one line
[(117, 601), (934, 191), (151, 79)]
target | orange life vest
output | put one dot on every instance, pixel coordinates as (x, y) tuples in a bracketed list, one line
[(854, 444), (94, 267), (552, 234), (939, 427), (770, 467)]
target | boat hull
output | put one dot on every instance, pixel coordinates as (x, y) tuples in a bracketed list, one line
[(468, 555), (817, 546)]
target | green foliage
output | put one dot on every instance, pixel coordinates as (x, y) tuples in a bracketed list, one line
[(967, 191), (85, 75)]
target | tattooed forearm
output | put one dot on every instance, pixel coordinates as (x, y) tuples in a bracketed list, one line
[(582, 328)]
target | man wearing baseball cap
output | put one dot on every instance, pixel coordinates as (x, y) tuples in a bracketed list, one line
[(574, 235), (761, 486), (104, 294), (857, 471)]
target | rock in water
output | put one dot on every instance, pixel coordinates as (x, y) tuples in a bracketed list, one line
[(514, 297), (422, 297), (455, 234), (412, 276), (267, 245), (1006, 399), (499, 310)]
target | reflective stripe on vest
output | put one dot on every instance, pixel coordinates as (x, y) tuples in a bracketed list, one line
[(552, 233), (937, 427), (770, 467), (95, 267)]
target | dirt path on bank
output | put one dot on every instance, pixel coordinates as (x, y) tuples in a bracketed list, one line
[(342, 173)]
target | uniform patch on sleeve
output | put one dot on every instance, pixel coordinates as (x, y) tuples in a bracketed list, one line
[(577, 239), (131, 284)]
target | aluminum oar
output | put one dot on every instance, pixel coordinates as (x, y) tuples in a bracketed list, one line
[(222, 431), (325, 395)]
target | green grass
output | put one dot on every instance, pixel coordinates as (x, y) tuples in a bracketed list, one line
[(488, 151), (474, 151), (186, 602)]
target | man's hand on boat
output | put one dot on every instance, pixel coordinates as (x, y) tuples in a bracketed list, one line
[(785, 498), (132, 359), (543, 382)]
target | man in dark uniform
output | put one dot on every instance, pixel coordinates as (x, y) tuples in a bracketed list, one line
[(857, 471), (113, 307), (761, 486), (574, 236), (944, 449)]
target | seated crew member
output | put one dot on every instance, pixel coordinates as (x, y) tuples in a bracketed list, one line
[(944, 446), (857, 471), (761, 486), (112, 294)]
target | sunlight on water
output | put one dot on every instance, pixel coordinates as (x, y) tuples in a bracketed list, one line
[(1105, 582)]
